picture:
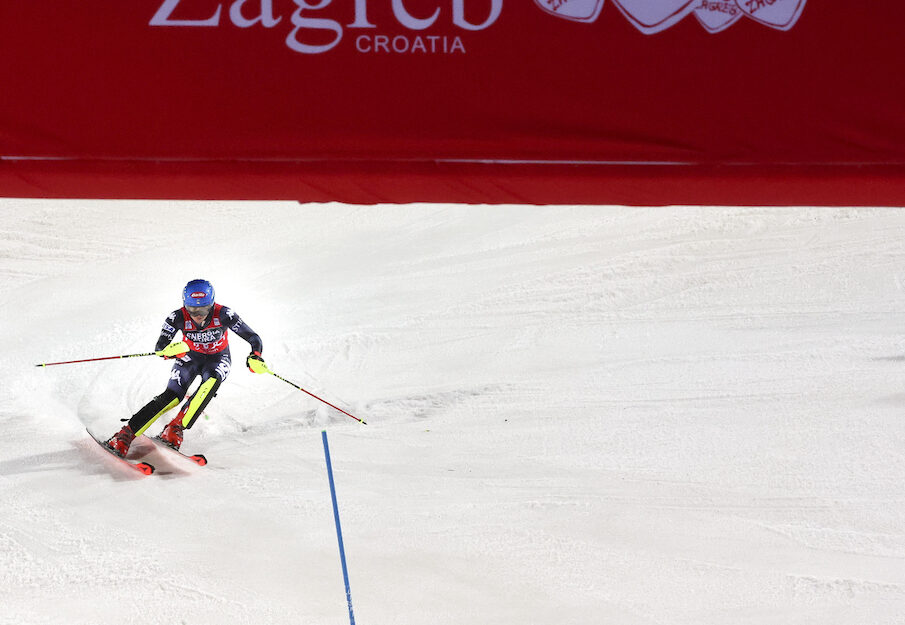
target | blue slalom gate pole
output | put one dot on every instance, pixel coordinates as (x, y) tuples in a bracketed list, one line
[(339, 532)]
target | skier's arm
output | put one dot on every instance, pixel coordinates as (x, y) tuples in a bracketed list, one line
[(254, 361), (234, 322), (167, 332)]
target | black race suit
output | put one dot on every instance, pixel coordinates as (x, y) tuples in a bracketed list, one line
[(208, 357)]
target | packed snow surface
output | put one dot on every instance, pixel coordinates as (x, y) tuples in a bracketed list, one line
[(575, 416)]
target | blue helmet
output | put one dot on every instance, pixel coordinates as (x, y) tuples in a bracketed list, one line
[(198, 293)]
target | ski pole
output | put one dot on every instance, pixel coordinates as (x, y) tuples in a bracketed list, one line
[(174, 349), (264, 369)]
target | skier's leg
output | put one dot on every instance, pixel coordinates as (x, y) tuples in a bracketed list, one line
[(213, 372), (200, 400), (122, 440), (212, 377), (184, 370), (152, 411)]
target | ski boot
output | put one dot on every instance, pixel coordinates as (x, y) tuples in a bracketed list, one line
[(172, 433), (119, 443)]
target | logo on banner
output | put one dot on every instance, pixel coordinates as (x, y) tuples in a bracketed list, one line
[(653, 16), (313, 29)]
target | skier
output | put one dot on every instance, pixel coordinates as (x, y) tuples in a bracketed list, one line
[(204, 326)]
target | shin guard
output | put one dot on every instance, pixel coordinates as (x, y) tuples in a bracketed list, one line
[(152, 411), (200, 400)]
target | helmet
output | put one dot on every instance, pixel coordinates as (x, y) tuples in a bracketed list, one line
[(198, 293)]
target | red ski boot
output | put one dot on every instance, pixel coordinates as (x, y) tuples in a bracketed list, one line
[(121, 441), (172, 433)]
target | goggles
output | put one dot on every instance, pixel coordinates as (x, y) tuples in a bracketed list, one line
[(199, 311)]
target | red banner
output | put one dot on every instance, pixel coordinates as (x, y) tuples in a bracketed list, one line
[(538, 101)]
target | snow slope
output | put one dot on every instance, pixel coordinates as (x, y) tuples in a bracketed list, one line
[(576, 416)]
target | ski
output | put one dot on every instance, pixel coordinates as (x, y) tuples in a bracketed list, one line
[(198, 459), (142, 467)]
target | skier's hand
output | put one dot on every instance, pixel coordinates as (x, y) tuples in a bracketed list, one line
[(174, 350), (255, 363)]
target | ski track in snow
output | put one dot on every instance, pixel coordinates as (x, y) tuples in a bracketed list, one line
[(577, 415)]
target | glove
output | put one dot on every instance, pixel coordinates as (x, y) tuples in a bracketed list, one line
[(255, 363), (174, 350)]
